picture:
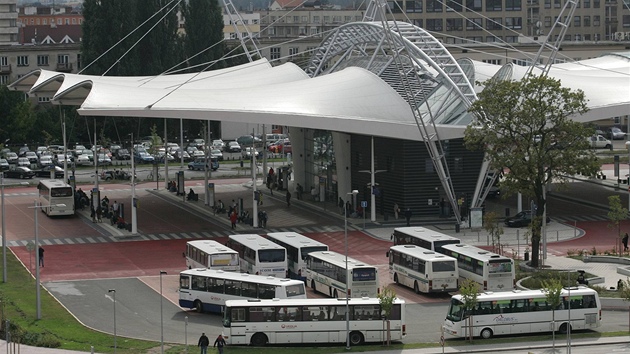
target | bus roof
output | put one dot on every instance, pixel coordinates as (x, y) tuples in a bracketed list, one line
[(424, 233), (339, 259), (54, 183), (421, 253), (204, 272), (308, 302), (527, 294), (255, 242), (294, 239), (475, 252), (210, 246)]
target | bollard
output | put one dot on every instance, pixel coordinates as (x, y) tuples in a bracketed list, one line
[(557, 235), (92, 349)]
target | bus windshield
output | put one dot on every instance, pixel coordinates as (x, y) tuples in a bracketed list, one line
[(444, 266), (295, 290), (61, 192), (455, 311), (271, 256), (500, 266), (364, 274), (307, 250)]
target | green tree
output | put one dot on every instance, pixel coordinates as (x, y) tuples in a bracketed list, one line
[(616, 214), (552, 290), (203, 41), (524, 129), (469, 290), (386, 300), (494, 229)]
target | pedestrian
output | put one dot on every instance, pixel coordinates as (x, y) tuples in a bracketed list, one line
[(340, 204), (625, 242), (299, 190), (41, 256), (115, 209), (396, 211), (99, 214), (92, 213), (288, 198), (260, 198), (204, 342), (233, 219), (348, 208), (314, 193), (408, 215), (220, 343)]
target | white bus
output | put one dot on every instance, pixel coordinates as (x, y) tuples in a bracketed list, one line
[(422, 270), (261, 322), (423, 237), (206, 290), (259, 256), (298, 247), (212, 255), (492, 271), (56, 197), (327, 273), (515, 312)]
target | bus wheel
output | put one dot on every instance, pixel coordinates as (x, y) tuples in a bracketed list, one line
[(259, 340), (356, 338), (486, 333), (563, 328), (198, 306), (396, 278), (313, 286), (416, 288)]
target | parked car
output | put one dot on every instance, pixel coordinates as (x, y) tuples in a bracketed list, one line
[(23, 150), (11, 157), (45, 171), (200, 164), (114, 148), (31, 156), (104, 160), (20, 172), (40, 150), (119, 175), (89, 154), (281, 146), (46, 160), (216, 154), (143, 157), (247, 152), (178, 154), (123, 154), (24, 161), (599, 142), (198, 143), (247, 140), (78, 150), (524, 218), (233, 146), (194, 152), (4, 164), (83, 160), (616, 133), (59, 159), (218, 144)]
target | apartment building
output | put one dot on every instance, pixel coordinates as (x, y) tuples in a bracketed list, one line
[(8, 23)]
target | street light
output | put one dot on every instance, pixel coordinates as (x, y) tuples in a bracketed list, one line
[(134, 217), (345, 218), (37, 282), (114, 291), (161, 315)]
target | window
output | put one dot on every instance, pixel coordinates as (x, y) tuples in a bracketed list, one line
[(547, 4), (474, 39), (578, 37), (4, 61), (587, 4), (347, 19), (513, 5), (275, 53), (42, 60), (293, 51), (474, 5), (596, 21), (326, 19), (316, 19), (59, 21), (587, 21), (454, 24), (513, 22), (41, 99), (494, 23), (434, 24), (4, 79), (414, 6), (74, 21), (493, 5), (474, 24), (418, 22), (454, 5), (557, 4), (577, 21), (67, 21), (492, 39), (22, 60), (434, 6), (596, 4), (511, 39), (625, 21), (62, 59)]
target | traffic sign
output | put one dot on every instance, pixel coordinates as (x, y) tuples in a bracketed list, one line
[(364, 204)]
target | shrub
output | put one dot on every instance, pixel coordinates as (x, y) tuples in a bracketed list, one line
[(593, 251), (572, 252)]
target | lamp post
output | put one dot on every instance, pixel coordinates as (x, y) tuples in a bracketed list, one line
[(345, 218), (161, 316), (4, 235), (114, 291), (134, 218)]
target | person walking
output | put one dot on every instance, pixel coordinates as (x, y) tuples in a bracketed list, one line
[(396, 211), (115, 208), (625, 242), (41, 256), (288, 198), (341, 204), (220, 343), (408, 216), (233, 219), (204, 342)]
